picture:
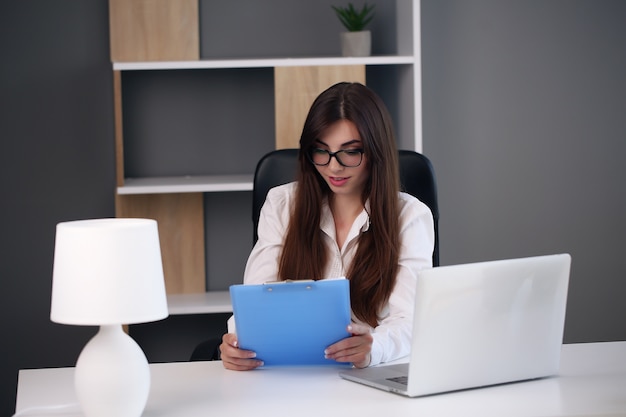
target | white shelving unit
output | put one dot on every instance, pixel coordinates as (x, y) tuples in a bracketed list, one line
[(406, 84)]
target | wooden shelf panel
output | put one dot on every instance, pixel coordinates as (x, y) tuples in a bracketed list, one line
[(201, 303), (295, 89), (154, 30), (186, 184), (180, 219), (264, 63)]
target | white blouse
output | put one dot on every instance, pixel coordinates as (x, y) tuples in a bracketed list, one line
[(392, 336)]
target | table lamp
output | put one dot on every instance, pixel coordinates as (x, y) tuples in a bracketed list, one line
[(108, 272)]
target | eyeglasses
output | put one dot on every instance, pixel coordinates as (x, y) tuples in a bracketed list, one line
[(349, 158)]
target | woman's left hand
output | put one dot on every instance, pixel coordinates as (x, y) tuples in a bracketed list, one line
[(356, 349)]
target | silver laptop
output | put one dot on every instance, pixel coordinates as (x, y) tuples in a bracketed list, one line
[(480, 324)]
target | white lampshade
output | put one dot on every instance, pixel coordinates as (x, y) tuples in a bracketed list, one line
[(108, 271)]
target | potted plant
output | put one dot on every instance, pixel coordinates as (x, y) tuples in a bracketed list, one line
[(356, 41)]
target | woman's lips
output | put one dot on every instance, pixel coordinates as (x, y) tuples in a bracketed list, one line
[(338, 181)]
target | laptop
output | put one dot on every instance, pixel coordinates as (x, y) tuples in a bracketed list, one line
[(480, 324)]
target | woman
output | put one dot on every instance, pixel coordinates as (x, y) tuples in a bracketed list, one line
[(345, 216)]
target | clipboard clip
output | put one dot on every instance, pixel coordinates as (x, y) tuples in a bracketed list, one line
[(270, 284), (287, 281)]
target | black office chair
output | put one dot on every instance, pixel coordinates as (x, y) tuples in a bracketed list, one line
[(417, 177)]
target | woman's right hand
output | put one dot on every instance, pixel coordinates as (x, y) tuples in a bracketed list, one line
[(235, 358)]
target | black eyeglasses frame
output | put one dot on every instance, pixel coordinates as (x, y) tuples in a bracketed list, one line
[(335, 155)]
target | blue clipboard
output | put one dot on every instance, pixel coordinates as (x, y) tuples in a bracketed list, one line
[(291, 322)]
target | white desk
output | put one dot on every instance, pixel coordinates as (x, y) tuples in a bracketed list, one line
[(592, 382)]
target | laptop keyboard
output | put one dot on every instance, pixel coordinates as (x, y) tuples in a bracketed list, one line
[(402, 380)]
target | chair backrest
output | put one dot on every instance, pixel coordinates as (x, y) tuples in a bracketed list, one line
[(417, 177)]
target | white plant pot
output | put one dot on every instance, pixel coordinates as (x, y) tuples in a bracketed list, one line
[(356, 43)]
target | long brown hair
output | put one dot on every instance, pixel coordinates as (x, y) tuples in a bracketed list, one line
[(373, 271)]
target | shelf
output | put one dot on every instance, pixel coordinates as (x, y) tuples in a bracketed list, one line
[(186, 184), (204, 303), (264, 63), (207, 99)]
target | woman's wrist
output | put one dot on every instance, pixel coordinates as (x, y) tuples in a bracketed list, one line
[(365, 363)]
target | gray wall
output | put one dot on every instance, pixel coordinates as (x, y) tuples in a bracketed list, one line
[(523, 119), (56, 164)]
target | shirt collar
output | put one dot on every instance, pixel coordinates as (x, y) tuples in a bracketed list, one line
[(361, 223)]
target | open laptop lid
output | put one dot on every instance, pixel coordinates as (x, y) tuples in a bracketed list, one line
[(481, 324), (488, 323)]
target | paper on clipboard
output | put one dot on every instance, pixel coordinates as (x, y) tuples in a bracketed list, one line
[(291, 322)]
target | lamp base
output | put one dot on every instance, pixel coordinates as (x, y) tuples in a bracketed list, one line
[(112, 375)]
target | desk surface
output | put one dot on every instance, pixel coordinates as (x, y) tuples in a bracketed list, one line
[(592, 382)]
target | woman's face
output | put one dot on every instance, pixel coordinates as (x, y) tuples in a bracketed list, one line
[(342, 180)]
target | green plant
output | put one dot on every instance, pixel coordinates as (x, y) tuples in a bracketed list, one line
[(353, 19)]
